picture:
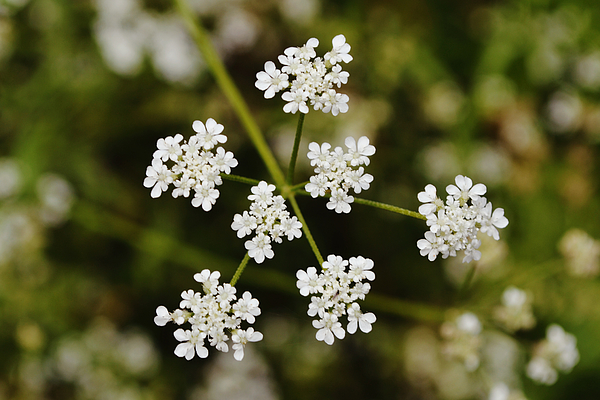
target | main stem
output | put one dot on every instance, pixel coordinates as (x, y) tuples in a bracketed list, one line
[(231, 91), (291, 168)]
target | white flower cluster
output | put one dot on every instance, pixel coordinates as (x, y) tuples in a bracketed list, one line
[(581, 253), (462, 339), (557, 352), (338, 172), (195, 165), (269, 219), (500, 391), (336, 291), (515, 312), (210, 315), (454, 225), (315, 78)]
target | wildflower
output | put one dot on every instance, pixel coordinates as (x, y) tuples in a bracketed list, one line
[(515, 312), (454, 225), (268, 219), (557, 352), (581, 253), (212, 313), (462, 339), (337, 171), (335, 293), (194, 165), (307, 79)]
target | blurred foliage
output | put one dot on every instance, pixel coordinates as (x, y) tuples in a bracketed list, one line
[(506, 92)]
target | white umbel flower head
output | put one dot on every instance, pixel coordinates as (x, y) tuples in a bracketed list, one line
[(515, 312), (454, 225), (194, 165), (334, 294), (462, 340), (336, 171), (269, 219), (307, 80), (558, 352), (212, 313)]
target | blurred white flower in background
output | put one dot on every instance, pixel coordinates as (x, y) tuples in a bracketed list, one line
[(565, 111), (10, 178), (587, 71), (581, 253)]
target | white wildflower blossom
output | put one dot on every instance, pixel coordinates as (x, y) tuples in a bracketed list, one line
[(335, 292), (581, 253), (558, 352), (500, 391), (515, 312), (462, 339), (212, 314), (307, 79), (269, 219), (194, 165), (454, 225), (336, 171)]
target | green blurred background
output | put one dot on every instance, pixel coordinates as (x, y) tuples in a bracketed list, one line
[(506, 92)]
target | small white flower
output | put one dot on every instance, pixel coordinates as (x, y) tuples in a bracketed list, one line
[(360, 268), (308, 282), (168, 148), (340, 201), (192, 344), (432, 202), (209, 280), (162, 316), (271, 80), (359, 152), (244, 224), (224, 161), (259, 248), (464, 189), (328, 326), (210, 135), (357, 319), (206, 196), (340, 51), (296, 101), (246, 308), (240, 338), (158, 178)]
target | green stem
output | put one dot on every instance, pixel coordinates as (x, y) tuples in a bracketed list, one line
[(311, 240), (366, 202), (389, 207), (467, 282), (242, 179), (290, 175), (299, 187), (232, 93), (240, 269), (417, 311)]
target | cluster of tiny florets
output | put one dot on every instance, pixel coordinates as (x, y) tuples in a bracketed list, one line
[(462, 339), (213, 314), (581, 253), (336, 171), (557, 352), (455, 224), (268, 219), (313, 79), (516, 312), (194, 165), (335, 292)]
